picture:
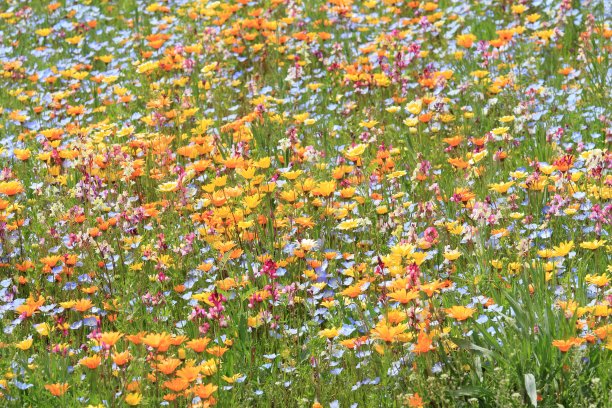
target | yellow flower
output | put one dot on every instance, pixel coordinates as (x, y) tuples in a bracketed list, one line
[(518, 174), (105, 58), (325, 188), (348, 225), (532, 18), (74, 40), (168, 187), (208, 368), (411, 122), (252, 201), (369, 124), (133, 398), (301, 117), (329, 333), (501, 188), (356, 151), (598, 280), (496, 263), (479, 156), (592, 245), (24, 344), (231, 379), (43, 329), (263, 163), (43, 32), (500, 131), (563, 248), (415, 107), (380, 210), (292, 175), (451, 255)]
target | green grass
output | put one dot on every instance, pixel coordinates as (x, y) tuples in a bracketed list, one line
[(221, 183)]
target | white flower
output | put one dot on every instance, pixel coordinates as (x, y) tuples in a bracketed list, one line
[(284, 144), (309, 244)]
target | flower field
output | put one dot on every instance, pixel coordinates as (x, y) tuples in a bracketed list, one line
[(305, 203)]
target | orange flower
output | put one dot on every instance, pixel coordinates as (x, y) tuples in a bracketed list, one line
[(11, 188), (121, 358), (51, 261), (168, 365), (204, 391), (25, 265), (460, 312), (133, 386), (423, 344), (161, 341), (188, 373), (466, 40), (91, 362), (565, 345), (217, 351), (453, 141), (425, 117), (603, 332), (57, 389), (22, 154), (75, 110), (415, 401), (3, 206), (564, 163), (110, 338), (388, 333), (479, 141), (458, 163), (178, 340), (170, 397), (354, 342), (30, 307), (53, 6), (176, 384), (83, 305), (136, 338), (403, 296), (352, 291), (497, 42), (198, 345), (431, 288)]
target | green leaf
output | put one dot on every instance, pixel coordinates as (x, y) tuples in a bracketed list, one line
[(467, 345), (478, 367), (530, 386), (469, 392)]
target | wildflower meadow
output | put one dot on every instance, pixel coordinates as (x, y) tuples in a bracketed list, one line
[(305, 203)]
